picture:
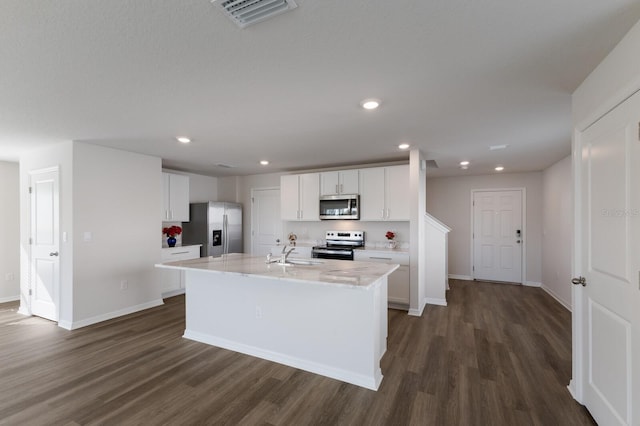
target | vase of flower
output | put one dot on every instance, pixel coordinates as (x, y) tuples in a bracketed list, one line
[(391, 242), (171, 232)]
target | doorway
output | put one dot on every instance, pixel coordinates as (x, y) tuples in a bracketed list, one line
[(44, 257), (497, 235), (266, 223)]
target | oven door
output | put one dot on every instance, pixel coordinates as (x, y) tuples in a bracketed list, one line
[(339, 207), (329, 253)]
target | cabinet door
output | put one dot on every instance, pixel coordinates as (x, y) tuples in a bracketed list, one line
[(179, 198), (165, 196), (372, 187), (397, 193), (289, 197), (310, 196), (349, 182), (399, 286), (329, 183)]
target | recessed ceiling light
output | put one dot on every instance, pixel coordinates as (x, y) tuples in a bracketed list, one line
[(499, 169), (264, 162), (183, 139), (464, 163), (404, 146), (370, 103), (494, 147)]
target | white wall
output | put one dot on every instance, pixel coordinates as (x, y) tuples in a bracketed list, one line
[(611, 82), (10, 220), (117, 197), (449, 199), (557, 230)]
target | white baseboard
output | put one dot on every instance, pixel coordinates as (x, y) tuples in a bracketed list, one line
[(555, 296), (24, 311), (532, 284), (67, 325), (311, 366), (110, 315), (9, 299), (173, 293), (460, 277), (439, 302), (418, 312)]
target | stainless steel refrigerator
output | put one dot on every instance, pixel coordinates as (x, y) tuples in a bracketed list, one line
[(216, 225)]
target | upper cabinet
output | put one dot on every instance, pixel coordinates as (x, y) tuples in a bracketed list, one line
[(339, 182), (175, 189), (384, 193), (299, 197)]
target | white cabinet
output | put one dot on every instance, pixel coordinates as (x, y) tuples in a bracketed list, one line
[(339, 182), (172, 280), (175, 191), (384, 193), (299, 197), (398, 280)]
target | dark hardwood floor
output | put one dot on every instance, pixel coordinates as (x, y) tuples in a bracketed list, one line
[(497, 355)]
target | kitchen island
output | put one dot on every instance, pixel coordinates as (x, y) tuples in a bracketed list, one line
[(328, 317)]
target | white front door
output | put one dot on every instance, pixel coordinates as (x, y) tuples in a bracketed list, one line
[(497, 235), (44, 275), (266, 224), (607, 254)]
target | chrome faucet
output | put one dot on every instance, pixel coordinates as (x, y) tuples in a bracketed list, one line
[(285, 254)]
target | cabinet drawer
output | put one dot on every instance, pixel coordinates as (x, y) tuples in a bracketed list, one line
[(173, 254), (382, 257)]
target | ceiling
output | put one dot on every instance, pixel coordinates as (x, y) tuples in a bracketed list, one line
[(454, 77)]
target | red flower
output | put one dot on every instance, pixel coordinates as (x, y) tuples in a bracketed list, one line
[(172, 231), (390, 235)]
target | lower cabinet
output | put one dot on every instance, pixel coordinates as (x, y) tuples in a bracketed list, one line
[(398, 281), (173, 281)]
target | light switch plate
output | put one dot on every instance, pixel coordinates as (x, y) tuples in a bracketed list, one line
[(87, 236)]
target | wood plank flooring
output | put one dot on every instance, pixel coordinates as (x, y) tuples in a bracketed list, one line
[(497, 355)]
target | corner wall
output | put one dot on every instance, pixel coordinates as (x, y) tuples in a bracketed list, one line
[(10, 220), (557, 230)]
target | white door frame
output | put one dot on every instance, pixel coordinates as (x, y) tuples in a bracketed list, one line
[(30, 278), (253, 191), (524, 228)]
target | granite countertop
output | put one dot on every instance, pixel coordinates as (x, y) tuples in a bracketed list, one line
[(360, 275)]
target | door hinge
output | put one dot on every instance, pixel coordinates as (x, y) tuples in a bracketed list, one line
[(30, 292), (473, 268), (30, 241), (30, 190), (253, 199)]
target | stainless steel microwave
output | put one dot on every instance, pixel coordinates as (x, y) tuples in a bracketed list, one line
[(343, 206)]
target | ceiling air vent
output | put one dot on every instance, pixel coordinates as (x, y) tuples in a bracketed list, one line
[(247, 12)]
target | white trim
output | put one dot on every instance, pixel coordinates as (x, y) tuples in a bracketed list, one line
[(110, 315), (460, 277), (555, 296), (524, 237), (23, 311), (436, 223), (532, 284), (438, 302), (313, 367), (172, 293), (9, 299), (418, 312)]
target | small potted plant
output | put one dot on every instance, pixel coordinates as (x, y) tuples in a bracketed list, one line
[(171, 232), (391, 242)]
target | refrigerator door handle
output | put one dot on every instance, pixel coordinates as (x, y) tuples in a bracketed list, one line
[(225, 235)]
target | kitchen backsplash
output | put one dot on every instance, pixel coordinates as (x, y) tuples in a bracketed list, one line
[(314, 232)]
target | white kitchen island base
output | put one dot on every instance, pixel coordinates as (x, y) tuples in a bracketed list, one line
[(332, 329)]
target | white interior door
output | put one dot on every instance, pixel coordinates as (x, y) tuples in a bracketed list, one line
[(497, 235), (266, 224), (607, 254), (45, 245)]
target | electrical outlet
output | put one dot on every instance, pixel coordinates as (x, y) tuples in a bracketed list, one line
[(124, 284), (258, 312), (9, 277)]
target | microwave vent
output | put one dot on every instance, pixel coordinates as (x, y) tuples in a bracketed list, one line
[(248, 12)]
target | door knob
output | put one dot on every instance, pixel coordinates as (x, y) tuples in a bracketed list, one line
[(53, 253), (579, 280)]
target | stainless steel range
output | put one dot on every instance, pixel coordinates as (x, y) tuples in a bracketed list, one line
[(340, 245)]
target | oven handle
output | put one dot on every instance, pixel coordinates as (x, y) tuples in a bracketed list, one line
[(325, 251)]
